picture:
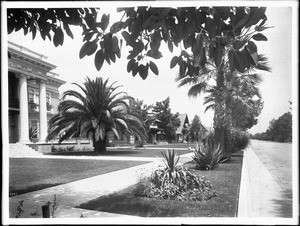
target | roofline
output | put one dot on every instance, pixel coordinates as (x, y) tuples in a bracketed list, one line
[(13, 47)]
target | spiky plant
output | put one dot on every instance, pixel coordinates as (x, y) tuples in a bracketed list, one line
[(206, 157)]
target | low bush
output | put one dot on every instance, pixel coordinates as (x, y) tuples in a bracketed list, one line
[(174, 182), (62, 149), (239, 140)]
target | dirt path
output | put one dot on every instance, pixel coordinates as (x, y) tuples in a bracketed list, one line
[(277, 158)]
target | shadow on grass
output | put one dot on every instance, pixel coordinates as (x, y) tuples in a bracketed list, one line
[(14, 192), (128, 204)]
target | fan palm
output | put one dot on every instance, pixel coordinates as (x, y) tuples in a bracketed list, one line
[(95, 113), (220, 97)]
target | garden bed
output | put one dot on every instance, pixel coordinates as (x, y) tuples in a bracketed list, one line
[(225, 179)]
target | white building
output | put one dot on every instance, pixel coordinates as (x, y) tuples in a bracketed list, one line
[(33, 94)]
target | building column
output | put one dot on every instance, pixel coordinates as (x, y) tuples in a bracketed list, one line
[(43, 112), (24, 125)]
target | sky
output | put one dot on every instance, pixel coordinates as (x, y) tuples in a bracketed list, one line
[(276, 87)]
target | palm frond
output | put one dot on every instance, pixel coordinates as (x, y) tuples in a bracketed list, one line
[(195, 90)]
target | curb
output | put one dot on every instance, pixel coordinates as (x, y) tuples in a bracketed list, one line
[(243, 194)]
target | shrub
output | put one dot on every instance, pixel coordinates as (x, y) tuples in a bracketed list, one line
[(62, 149), (206, 157), (239, 140), (174, 182)]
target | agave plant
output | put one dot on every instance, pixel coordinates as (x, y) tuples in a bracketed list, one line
[(206, 157)]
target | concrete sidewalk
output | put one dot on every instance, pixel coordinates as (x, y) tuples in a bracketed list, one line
[(72, 194), (259, 191)]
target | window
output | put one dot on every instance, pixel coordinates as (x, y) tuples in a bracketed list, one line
[(33, 96), (33, 99)]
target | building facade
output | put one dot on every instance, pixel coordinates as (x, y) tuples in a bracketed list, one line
[(181, 131), (33, 94)]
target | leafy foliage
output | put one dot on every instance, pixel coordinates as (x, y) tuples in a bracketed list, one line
[(225, 33), (56, 21), (100, 110), (206, 157)]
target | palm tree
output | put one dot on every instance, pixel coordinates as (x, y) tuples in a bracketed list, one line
[(235, 85), (100, 110)]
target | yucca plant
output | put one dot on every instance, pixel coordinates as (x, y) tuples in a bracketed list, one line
[(172, 172), (206, 157)]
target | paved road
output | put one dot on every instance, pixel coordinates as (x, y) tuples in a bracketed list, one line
[(277, 158)]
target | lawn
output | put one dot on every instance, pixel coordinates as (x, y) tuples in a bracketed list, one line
[(31, 174), (225, 180), (41, 173)]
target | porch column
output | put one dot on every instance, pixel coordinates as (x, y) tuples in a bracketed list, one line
[(43, 112), (24, 125)]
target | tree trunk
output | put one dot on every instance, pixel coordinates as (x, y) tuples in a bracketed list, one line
[(221, 117), (99, 146)]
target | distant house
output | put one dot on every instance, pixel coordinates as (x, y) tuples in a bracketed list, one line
[(181, 132), (154, 132), (33, 94)]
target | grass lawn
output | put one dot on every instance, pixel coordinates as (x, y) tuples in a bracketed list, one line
[(31, 174), (225, 180), (125, 152)]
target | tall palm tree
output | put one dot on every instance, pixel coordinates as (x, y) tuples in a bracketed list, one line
[(99, 110), (237, 85)]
